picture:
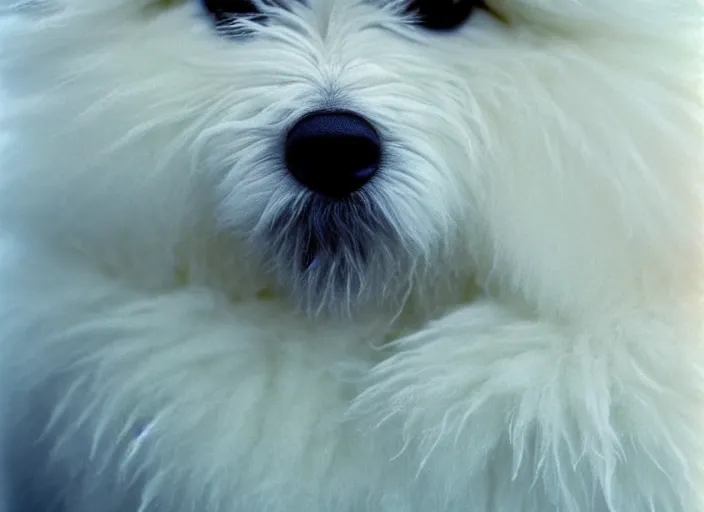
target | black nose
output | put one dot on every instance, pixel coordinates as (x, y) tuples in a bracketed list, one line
[(333, 153)]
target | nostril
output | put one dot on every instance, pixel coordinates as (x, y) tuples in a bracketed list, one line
[(333, 153)]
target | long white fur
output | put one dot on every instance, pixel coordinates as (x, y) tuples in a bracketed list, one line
[(540, 350)]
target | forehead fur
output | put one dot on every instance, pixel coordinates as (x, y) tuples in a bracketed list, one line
[(595, 13)]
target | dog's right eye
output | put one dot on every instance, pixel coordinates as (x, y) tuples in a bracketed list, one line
[(228, 10)]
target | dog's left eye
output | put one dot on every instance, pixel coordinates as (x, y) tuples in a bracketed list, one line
[(224, 10), (443, 14)]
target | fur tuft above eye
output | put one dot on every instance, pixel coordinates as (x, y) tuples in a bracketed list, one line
[(443, 15)]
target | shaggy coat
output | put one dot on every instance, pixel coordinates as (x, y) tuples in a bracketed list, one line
[(509, 319)]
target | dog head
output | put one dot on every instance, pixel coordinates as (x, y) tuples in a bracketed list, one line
[(354, 152)]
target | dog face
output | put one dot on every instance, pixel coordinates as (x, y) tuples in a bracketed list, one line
[(355, 151)]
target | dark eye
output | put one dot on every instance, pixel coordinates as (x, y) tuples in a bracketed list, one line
[(443, 14), (228, 10)]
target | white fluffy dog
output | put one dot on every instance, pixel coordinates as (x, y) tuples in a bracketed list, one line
[(352, 256)]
